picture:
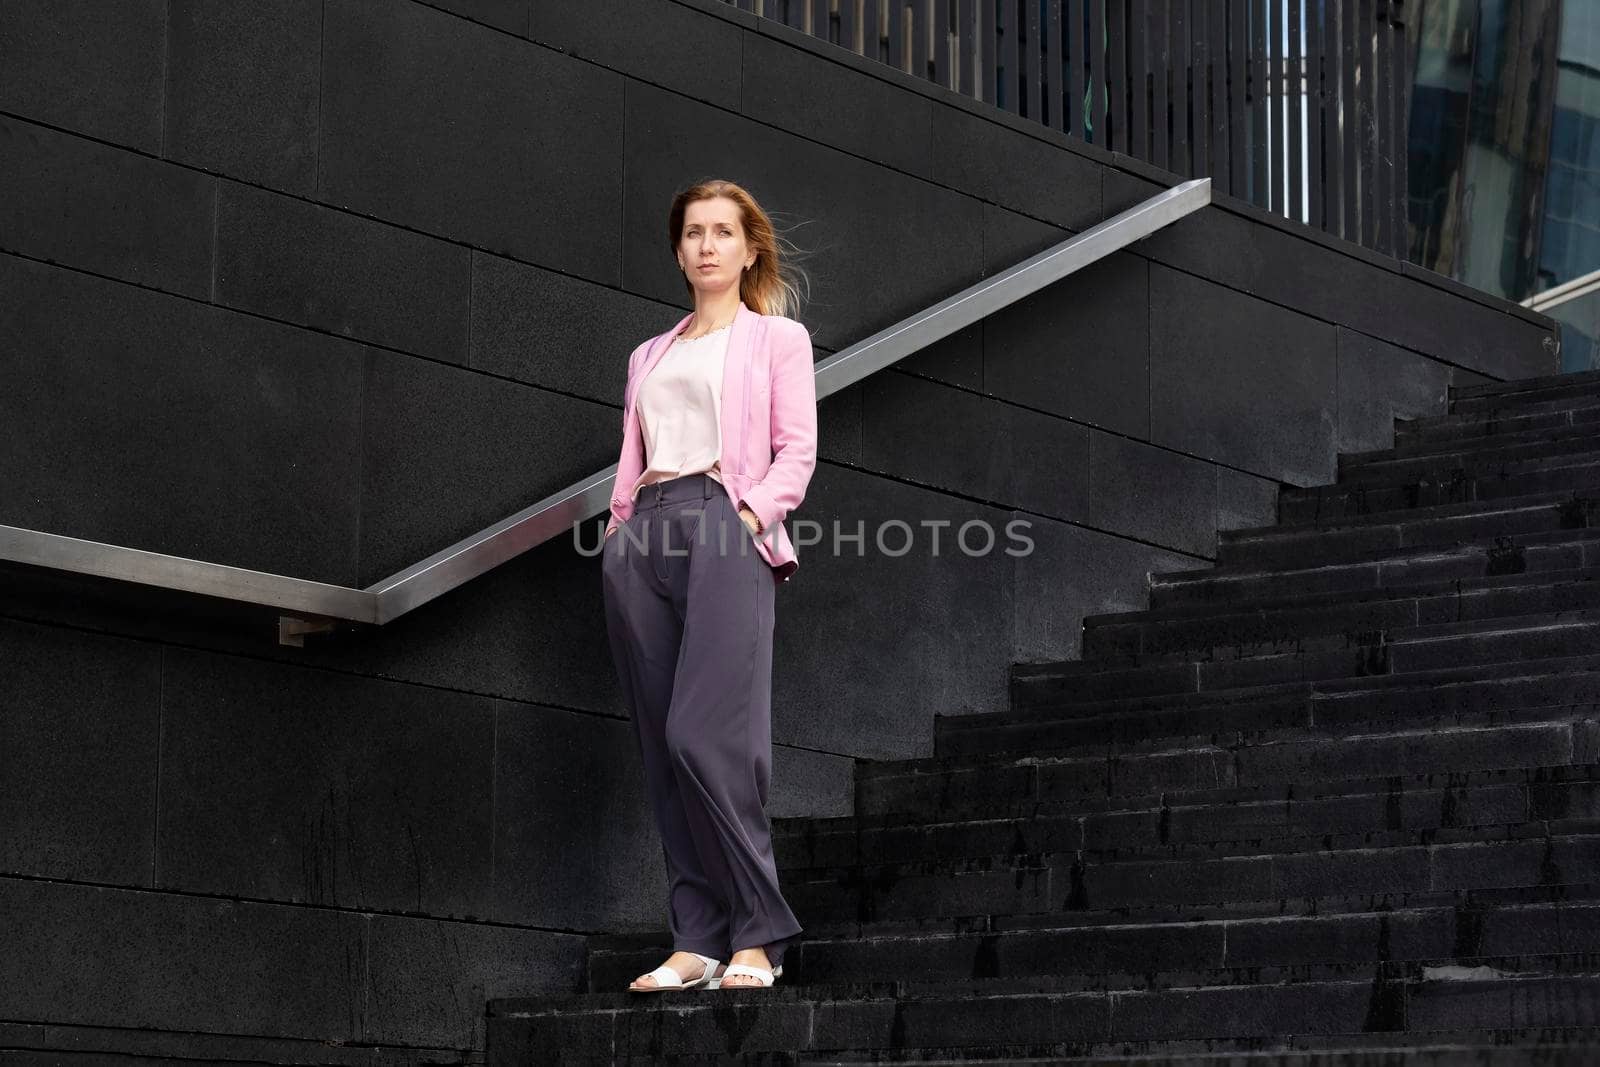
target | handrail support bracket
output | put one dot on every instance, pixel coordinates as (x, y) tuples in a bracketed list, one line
[(292, 629)]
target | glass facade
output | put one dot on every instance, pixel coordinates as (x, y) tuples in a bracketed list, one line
[(1503, 183), (1569, 246)]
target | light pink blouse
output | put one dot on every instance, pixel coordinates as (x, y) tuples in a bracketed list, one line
[(680, 410)]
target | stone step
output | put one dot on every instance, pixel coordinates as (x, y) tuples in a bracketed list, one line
[(1541, 389), (1114, 952), (1394, 651), (1012, 781), (1285, 625), (1519, 406), (1072, 980), (1527, 553), (877, 873), (1520, 385), (1477, 425), (786, 1021), (1361, 537), (1084, 879), (1481, 694), (1440, 458), (1506, 1047), (1492, 695), (1465, 901), (1201, 817), (1327, 504), (1524, 1047), (99, 1044)]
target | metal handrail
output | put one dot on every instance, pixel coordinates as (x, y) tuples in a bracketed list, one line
[(314, 606), (1577, 287)]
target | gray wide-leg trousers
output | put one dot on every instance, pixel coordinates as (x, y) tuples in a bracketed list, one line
[(689, 615)]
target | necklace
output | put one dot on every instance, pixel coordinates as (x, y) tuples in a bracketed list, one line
[(708, 333)]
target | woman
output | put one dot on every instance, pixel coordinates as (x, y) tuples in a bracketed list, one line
[(719, 441)]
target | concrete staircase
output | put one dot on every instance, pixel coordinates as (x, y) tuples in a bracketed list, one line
[(1335, 800)]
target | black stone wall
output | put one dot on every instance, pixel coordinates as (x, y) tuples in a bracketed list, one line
[(320, 286)]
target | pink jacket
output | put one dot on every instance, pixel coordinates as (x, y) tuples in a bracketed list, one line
[(769, 425)]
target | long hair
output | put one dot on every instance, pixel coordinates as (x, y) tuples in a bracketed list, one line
[(769, 286)]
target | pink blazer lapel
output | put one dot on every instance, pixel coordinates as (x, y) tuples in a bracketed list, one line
[(735, 375), (658, 348)]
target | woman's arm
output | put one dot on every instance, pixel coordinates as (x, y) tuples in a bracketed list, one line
[(633, 361), (794, 428)]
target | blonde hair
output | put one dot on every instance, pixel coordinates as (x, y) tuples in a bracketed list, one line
[(768, 287)]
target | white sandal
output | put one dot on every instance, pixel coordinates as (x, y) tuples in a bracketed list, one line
[(667, 978), (760, 974)]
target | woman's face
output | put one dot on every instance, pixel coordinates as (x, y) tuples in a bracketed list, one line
[(711, 250)]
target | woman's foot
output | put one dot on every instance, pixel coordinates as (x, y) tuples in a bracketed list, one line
[(754, 957), (687, 964)]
